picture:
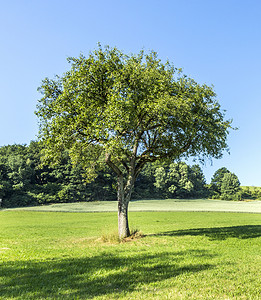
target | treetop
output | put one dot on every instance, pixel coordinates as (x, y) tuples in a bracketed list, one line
[(120, 107)]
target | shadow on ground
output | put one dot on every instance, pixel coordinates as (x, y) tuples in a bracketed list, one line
[(89, 277), (219, 233)]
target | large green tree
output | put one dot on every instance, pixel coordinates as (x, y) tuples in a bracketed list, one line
[(126, 111)]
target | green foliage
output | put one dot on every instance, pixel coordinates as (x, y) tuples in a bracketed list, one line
[(225, 185), (160, 178), (251, 192), (111, 103), (24, 180), (144, 185), (230, 187), (216, 180), (179, 180)]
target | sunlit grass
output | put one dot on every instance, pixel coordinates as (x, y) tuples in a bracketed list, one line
[(154, 205), (183, 255)]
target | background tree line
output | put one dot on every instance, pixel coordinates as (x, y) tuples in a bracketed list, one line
[(25, 181)]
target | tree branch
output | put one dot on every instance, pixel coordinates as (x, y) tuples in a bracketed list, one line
[(112, 165)]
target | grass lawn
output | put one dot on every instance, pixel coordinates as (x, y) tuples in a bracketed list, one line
[(155, 205), (183, 255)]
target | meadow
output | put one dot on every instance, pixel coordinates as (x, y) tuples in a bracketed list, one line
[(154, 205), (180, 255)]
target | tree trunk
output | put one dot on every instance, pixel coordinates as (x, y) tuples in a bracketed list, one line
[(124, 192), (123, 224), (123, 203)]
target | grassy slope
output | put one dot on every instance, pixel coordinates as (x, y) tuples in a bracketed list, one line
[(184, 255), (156, 205)]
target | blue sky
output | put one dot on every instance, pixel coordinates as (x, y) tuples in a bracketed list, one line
[(215, 42)]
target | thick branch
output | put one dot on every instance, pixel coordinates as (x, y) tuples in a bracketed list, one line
[(112, 165)]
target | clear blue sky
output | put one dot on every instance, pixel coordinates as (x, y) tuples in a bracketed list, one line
[(215, 42)]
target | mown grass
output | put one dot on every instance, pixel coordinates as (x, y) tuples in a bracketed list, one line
[(183, 255), (154, 205)]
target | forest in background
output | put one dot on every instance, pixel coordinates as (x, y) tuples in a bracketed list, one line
[(25, 181)]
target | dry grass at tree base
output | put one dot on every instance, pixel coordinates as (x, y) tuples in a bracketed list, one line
[(113, 237)]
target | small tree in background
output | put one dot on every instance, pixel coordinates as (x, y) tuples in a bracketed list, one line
[(230, 187), (225, 185), (216, 180), (127, 111)]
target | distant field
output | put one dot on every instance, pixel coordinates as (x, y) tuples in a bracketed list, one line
[(183, 255), (156, 205)]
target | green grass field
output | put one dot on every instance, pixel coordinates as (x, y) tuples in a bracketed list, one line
[(155, 205), (183, 255)]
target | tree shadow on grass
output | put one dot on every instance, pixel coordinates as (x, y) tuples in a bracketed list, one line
[(219, 233), (85, 278)]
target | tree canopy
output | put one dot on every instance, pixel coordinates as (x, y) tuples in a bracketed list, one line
[(216, 179), (225, 185), (178, 180), (126, 111)]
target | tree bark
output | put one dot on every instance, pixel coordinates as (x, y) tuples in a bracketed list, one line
[(123, 223), (123, 203)]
